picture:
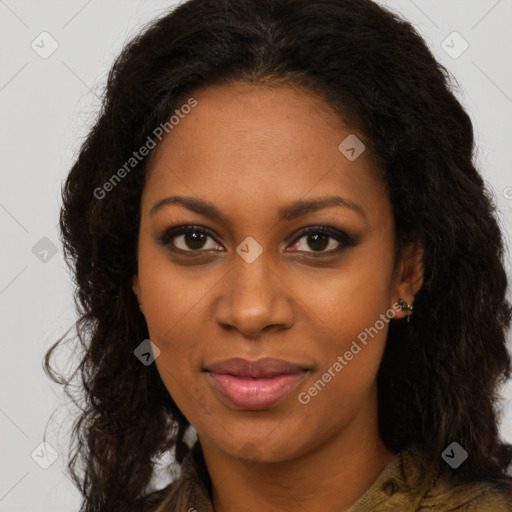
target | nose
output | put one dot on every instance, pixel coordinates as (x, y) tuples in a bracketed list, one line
[(254, 299)]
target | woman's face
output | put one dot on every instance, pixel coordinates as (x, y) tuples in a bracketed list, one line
[(249, 283)]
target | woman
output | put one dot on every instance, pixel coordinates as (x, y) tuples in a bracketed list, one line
[(279, 239)]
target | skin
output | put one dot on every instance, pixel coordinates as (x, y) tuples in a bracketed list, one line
[(251, 150)]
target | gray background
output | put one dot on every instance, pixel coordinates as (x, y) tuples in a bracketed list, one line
[(47, 106)]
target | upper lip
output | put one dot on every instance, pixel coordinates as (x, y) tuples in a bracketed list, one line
[(264, 367)]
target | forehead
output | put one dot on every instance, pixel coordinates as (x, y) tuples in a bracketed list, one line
[(250, 145)]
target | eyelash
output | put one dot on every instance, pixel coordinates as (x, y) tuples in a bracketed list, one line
[(343, 238)]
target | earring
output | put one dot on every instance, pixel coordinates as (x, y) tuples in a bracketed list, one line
[(140, 307), (406, 306)]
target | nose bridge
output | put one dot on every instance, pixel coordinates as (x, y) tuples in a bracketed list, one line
[(254, 296), (251, 278)]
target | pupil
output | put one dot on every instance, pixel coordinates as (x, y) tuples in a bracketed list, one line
[(194, 240), (315, 238)]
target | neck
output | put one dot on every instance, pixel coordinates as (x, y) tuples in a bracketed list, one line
[(330, 477)]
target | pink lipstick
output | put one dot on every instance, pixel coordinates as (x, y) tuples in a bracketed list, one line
[(255, 384)]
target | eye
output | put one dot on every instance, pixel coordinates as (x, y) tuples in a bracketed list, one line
[(319, 238), (189, 239), (193, 239)]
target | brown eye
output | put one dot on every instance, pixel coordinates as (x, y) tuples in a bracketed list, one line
[(192, 239), (189, 239), (318, 239)]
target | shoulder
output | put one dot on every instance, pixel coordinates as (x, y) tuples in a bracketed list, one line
[(430, 487), (449, 495)]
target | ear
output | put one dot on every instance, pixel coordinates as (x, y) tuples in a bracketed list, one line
[(136, 288), (408, 275)]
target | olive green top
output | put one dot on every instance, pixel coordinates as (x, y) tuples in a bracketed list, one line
[(407, 484)]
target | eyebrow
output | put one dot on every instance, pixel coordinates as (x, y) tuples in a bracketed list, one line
[(288, 212)]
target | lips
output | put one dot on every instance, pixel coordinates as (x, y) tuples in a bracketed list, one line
[(264, 367), (254, 384)]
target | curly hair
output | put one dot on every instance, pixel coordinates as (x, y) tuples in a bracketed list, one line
[(439, 376)]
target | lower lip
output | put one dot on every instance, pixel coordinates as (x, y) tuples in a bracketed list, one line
[(260, 393)]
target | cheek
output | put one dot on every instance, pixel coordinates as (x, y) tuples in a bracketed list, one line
[(172, 295), (181, 383), (354, 307), (347, 376), (350, 299), (171, 302)]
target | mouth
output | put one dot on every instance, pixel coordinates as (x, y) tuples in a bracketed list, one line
[(254, 385)]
